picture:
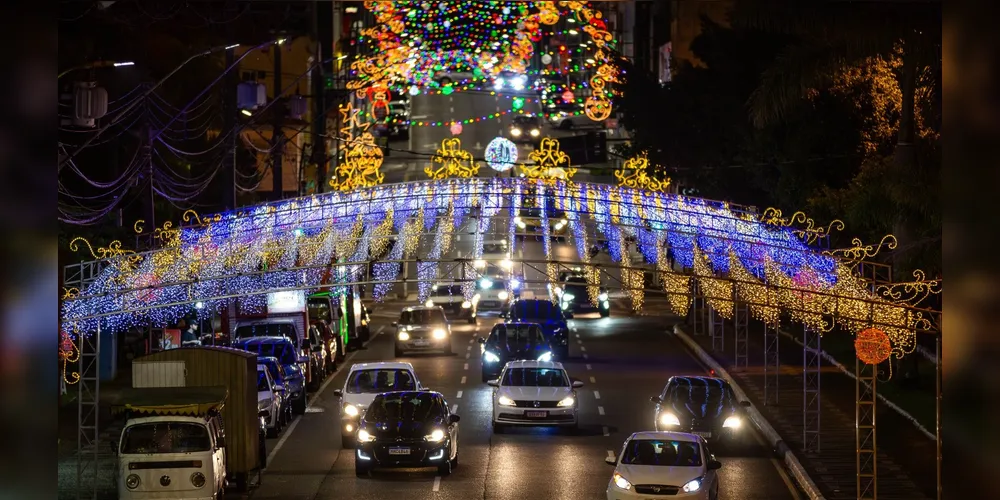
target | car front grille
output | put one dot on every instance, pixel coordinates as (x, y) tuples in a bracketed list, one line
[(541, 404), (656, 489)]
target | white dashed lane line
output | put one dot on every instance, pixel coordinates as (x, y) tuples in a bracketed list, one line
[(582, 348), (467, 355), (593, 380), (454, 408), (585, 356), (606, 433), (597, 395), (437, 483), (589, 367), (466, 367), (459, 395), (600, 410), (463, 379)]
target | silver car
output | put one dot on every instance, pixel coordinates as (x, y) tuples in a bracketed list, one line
[(422, 329)]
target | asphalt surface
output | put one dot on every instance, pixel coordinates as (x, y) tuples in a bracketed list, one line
[(623, 360)]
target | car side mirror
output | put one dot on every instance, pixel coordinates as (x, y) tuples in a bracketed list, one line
[(745, 404), (220, 442), (493, 383), (453, 419), (655, 400), (279, 387), (577, 384), (368, 310), (611, 460), (714, 465), (480, 340), (338, 393)]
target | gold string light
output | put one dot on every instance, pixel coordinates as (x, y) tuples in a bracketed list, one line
[(454, 161), (633, 278), (797, 298), (640, 178), (380, 235), (677, 286), (718, 292), (548, 157), (759, 297)]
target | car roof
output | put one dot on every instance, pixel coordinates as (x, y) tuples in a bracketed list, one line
[(267, 359), (670, 435), (433, 393), (263, 340), (422, 308), (703, 378), (383, 365), (517, 324), (266, 321), (551, 365)]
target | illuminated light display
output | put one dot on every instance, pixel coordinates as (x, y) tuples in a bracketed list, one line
[(551, 164), (452, 161), (718, 292), (501, 154), (360, 168), (455, 128), (872, 346), (639, 178)]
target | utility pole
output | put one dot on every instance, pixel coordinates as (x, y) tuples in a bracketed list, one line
[(277, 130), (229, 105), (147, 157), (322, 73)]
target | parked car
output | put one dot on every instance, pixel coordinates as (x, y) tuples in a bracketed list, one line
[(422, 328), (317, 356), (364, 382), (281, 386), (293, 364), (510, 82), (330, 343), (512, 342), (269, 400), (534, 393), (549, 317), (571, 117), (704, 406), (664, 464), (408, 429), (453, 75)]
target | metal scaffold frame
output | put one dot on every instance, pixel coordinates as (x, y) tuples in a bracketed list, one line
[(697, 310), (717, 330), (772, 364), (811, 396), (741, 326), (89, 387), (867, 450)]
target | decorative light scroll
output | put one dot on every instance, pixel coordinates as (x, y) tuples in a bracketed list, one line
[(551, 164), (453, 160), (360, 168), (640, 178)]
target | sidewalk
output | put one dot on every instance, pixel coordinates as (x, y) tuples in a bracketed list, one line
[(906, 458)]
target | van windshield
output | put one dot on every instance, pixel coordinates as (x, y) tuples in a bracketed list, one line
[(166, 437)]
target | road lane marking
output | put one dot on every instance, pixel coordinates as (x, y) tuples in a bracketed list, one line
[(593, 380), (597, 395), (437, 483), (600, 410), (578, 341), (467, 355), (459, 395), (463, 379), (451, 110), (605, 430), (468, 348), (454, 408), (465, 367), (471, 340), (611, 454), (584, 349), (578, 335), (585, 356), (589, 367)]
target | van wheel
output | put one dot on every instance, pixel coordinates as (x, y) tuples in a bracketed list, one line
[(605, 313), (566, 125), (472, 320)]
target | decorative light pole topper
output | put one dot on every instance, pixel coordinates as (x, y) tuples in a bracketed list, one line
[(501, 154)]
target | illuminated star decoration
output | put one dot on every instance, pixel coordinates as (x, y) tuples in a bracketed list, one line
[(453, 160), (350, 118), (551, 164), (640, 178), (360, 168), (501, 154)]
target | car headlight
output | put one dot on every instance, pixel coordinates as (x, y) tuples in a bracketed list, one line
[(692, 485), (351, 410), (535, 132), (603, 296), (498, 85), (404, 336), (621, 482), (516, 132), (490, 357), (505, 401), (568, 296), (435, 437), (520, 222), (364, 436), (485, 283), (733, 422), (197, 480), (479, 263), (439, 333), (517, 84), (669, 419), (567, 401), (503, 295), (132, 481), (466, 305), (557, 291), (546, 356)]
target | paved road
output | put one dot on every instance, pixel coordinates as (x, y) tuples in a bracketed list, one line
[(623, 360)]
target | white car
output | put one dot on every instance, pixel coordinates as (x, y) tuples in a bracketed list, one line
[(450, 296), (364, 382), (453, 76), (677, 464), (269, 400), (510, 82), (534, 393), (495, 294)]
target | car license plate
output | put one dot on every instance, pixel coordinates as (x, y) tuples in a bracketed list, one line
[(399, 451), (421, 343), (536, 414), (705, 435), (490, 303)]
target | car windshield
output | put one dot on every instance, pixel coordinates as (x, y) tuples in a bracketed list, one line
[(535, 309), (526, 120), (166, 437), (411, 406), (380, 380), (520, 335), (697, 391), (422, 317), (284, 351), (262, 384), (319, 310), (578, 290), (494, 248), (266, 330), (535, 377), (445, 290), (662, 452), (273, 367)]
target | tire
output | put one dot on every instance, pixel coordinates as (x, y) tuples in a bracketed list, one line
[(472, 320), (299, 405), (448, 350), (498, 428), (273, 431), (486, 377), (605, 314), (454, 461), (445, 468), (347, 442), (341, 349), (361, 470)]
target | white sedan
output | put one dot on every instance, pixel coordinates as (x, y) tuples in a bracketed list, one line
[(664, 463), (534, 393)]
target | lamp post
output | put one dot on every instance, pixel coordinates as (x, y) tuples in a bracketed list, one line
[(95, 65)]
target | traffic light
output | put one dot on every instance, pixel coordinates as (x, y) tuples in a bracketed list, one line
[(328, 81)]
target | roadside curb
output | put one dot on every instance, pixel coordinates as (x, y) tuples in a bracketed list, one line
[(791, 461)]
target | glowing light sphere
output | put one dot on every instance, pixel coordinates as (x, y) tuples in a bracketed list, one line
[(501, 154), (455, 128), (568, 96), (414, 90), (546, 59), (872, 346)]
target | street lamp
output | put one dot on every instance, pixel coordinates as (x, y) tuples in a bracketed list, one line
[(95, 65)]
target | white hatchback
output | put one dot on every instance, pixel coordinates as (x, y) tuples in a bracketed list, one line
[(664, 463), (534, 393), (364, 382)]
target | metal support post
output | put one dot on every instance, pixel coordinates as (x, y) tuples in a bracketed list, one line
[(864, 415), (87, 465), (277, 131), (937, 410), (717, 330), (772, 364), (697, 322), (811, 363), (741, 322)]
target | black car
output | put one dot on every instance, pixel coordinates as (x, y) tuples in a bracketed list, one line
[(706, 406), (407, 429), (526, 129), (547, 316), (575, 298), (512, 342), (293, 364)]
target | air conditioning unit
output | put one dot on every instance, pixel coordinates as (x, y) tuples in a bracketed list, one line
[(251, 95), (90, 102)]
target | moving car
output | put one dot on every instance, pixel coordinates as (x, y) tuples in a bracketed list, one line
[(532, 393), (398, 119), (571, 117), (407, 429), (511, 82), (422, 328), (496, 293), (293, 364), (704, 406), (512, 342), (317, 356), (277, 373), (495, 259), (451, 298), (529, 218), (547, 316), (269, 400), (672, 464), (574, 297), (364, 382), (526, 128), (453, 75)]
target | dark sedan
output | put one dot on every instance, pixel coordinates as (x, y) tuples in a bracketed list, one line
[(706, 406), (407, 429), (548, 317), (512, 342), (575, 298)]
